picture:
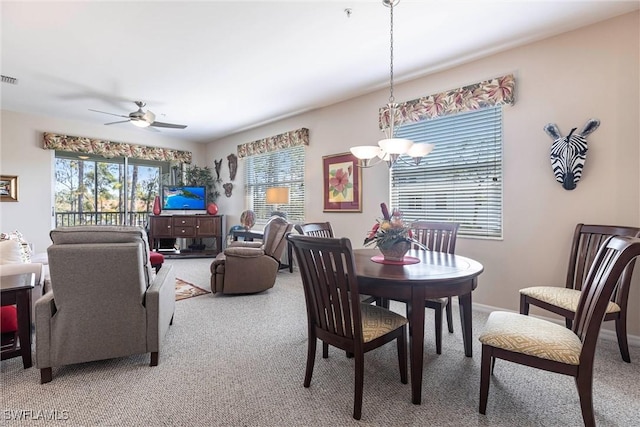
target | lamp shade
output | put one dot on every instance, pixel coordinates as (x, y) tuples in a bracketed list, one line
[(277, 195)]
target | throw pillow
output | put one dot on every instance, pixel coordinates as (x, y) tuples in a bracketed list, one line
[(10, 252), (25, 249)]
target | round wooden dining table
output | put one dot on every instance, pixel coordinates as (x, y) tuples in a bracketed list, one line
[(436, 275)]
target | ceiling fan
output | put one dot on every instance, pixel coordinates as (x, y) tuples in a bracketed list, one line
[(141, 118)]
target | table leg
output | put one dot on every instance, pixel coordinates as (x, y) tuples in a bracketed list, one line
[(416, 344), (466, 321), (23, 305)]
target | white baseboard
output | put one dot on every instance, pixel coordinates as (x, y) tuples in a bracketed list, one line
[(607, 334)]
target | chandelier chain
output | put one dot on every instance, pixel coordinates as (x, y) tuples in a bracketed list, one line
[(391, 97)]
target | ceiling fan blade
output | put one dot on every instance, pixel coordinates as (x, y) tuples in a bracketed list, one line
[(152, 129), (111, 114), (121, 121), (167, 125)]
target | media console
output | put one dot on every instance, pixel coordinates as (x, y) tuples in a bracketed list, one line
[(188, 227)]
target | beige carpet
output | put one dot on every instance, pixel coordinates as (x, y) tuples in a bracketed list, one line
[(186, 290), (239, 360)]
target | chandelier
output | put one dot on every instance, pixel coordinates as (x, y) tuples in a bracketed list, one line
[(390, 148)]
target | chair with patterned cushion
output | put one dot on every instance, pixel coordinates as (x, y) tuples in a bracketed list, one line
[(438, 237), (324, 229), (587, 239), (335, 314), (551, 347)]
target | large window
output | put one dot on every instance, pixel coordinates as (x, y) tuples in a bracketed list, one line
[(461, 179), (282, 168), (96, 190)]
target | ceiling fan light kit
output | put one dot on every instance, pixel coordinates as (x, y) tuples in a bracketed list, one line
[(390, 148), (141, 118)]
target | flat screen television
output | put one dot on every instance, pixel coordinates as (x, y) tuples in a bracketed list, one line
[(184, 198)]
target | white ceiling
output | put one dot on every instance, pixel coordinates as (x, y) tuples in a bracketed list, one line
[(221, 67)]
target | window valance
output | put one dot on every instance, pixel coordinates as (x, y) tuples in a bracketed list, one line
[(496, 91), (110, 149), (293, 138)]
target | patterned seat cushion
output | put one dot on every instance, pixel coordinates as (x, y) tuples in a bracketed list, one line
[(532, 336), (377, 321), (561, 297)]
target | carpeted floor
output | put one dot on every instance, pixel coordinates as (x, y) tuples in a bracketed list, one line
[(239, 361)]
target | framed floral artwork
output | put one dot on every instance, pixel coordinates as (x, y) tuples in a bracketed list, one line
[(342, 183), (8, 188)]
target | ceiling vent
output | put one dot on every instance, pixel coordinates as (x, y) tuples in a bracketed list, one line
[(10, 80)]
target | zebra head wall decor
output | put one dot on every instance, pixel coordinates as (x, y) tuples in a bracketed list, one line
[(569, 153)]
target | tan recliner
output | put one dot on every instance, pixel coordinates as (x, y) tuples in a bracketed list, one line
[(105, 300), (250, 267)]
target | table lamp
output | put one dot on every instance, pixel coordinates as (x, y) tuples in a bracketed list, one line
[(277, 196)]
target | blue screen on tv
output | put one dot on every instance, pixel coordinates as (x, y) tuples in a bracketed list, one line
[(184, 198)]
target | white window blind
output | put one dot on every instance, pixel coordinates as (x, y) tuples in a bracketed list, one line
[(282, 168), (462, 178)]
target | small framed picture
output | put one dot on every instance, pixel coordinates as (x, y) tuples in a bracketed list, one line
[(8, 188), (342, 183)]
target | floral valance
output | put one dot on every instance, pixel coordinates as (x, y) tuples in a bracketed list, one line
[(110, 149), (496, 91), (274, 143)]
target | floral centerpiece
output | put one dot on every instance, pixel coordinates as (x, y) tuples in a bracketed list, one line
[(391, 235)]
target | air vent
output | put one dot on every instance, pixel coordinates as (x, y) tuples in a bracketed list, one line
[(10, 80)]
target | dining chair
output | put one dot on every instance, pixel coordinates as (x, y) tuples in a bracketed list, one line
[(438, 237), (315, 229), (324, 229), (551, 347), (335, 314), (587, 239)]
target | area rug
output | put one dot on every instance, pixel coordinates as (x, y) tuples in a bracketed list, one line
[(187, 290)]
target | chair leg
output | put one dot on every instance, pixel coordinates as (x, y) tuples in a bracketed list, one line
[(449, 315), (45, 375), (358, 386), (325, 350), (485, 373), (154, 358), (311, 359), (171, 321), (621, 332), (568, 323), (584, 384), (438, 322), (524, 305), (402, 355)]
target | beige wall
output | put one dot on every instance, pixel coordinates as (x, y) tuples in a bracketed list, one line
[(590, 72), (21, 154), (567, 79)]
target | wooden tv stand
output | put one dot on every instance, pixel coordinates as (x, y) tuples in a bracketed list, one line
[(186, 226)]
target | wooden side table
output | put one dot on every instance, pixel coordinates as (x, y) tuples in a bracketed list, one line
[(16, 289)]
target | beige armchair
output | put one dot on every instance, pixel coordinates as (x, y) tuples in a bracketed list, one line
[(105, 301), (250, 267)]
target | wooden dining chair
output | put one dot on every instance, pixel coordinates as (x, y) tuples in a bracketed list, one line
[(315, 229), (438, 237), (335, 314), (551, 347), (587, 239)]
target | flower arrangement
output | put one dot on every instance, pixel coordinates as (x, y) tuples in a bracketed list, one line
[(390, 230)]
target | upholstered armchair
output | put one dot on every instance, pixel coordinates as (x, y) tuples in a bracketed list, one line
[(105, 300), (250, 267)]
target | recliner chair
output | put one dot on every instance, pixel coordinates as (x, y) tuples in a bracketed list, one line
[(251, 267), (105, 300)]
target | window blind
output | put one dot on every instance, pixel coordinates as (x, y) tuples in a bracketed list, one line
[(462, 178), (282, 168)]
